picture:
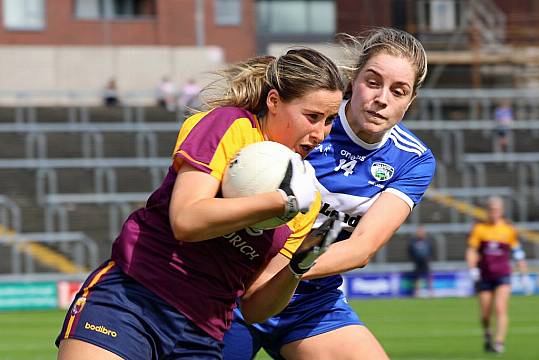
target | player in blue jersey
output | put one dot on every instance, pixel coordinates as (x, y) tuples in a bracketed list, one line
[(180, 263), (373, 171)]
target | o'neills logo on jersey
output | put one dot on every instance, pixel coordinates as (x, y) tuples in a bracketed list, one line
[(381, 171), (100, 329), (243, 246)]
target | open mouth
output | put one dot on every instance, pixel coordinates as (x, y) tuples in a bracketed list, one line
[(304, 150)]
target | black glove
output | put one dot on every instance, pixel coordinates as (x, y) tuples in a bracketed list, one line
[(314, 245)]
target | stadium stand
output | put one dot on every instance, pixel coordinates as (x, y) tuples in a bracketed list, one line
[(81, 170)]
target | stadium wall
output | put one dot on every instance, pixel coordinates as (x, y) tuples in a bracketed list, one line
[(31, 294), (359, 285), (33, 74)]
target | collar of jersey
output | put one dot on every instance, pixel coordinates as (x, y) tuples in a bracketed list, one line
[(352, 134)]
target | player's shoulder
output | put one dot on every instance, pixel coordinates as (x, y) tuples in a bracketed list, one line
[(212, 125), (509, 224), (225, 128), (225, 116), (481, 225), (406, 143)]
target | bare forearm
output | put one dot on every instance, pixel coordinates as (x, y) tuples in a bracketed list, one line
[(472, 258), (270, 298), (342, 257), (209, 218), (374, 229)]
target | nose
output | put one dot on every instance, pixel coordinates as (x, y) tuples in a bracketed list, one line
[(319, 132), (382, 96)]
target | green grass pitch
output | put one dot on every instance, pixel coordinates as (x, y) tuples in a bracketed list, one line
[(418, 329)]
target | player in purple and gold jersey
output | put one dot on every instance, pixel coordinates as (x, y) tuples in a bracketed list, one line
[(491, 245), (180, 263)]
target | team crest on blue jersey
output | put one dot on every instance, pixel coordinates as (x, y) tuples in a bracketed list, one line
[(382, 171)]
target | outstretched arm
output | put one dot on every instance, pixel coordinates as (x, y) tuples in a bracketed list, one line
[(375, 228)]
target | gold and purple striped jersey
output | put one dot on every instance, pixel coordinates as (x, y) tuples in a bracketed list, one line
[(494, 243), (203, 279)]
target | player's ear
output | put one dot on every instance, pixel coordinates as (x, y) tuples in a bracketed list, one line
[(272, 100), (410, 103)]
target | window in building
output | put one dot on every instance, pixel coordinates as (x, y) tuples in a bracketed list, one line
[(228, 12), (24, 14), (443, 16), (87, 9), (296, 17), (114, 9)]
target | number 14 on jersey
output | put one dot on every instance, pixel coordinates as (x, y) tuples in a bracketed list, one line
[(346, 166)]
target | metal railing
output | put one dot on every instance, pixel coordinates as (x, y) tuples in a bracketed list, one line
[(120, 205), (10, 214), (85, 252)]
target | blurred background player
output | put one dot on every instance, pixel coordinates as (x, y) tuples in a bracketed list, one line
[(170, 286), (373, 171), (490, 246), (188, 99), (420, 253), (503, 114), (111, 97), (167, 94)]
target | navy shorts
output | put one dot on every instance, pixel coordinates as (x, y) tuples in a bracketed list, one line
[(421, 270), (115, 312), (492, 284), (310, 315)]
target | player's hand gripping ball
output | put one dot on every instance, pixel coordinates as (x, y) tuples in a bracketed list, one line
[(269, 166)]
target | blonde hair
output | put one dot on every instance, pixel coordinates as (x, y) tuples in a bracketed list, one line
[(293, 75), (393, 41), (495, 201)]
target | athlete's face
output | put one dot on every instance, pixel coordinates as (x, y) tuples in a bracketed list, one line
[(381, 93), (495, 210), (302, 123)]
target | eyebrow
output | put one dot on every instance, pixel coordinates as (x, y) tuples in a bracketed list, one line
[(313, 111), (380, 75), (322, 113)]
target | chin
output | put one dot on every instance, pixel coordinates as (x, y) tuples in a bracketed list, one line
[(301, 153)]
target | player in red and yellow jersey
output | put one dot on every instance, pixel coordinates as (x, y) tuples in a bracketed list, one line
[(181, 262), (491, 245)]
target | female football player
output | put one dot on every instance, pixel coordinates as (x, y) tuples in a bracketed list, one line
[(372, 170), (180, 262), (490, 246)]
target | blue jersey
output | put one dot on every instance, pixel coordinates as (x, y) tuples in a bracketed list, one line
[(352, 174)]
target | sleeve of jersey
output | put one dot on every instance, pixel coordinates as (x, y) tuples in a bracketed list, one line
[(474, 239), (412, 184), (513, 240), (301, 225), (208, 141)]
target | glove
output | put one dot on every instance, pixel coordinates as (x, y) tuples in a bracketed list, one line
[(315, 245), (298, 187), (475, 275), (527, 284)]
